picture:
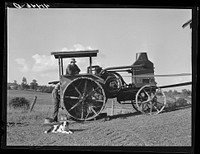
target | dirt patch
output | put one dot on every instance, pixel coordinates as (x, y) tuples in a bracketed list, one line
[(166, 129)]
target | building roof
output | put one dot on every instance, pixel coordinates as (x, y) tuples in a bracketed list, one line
[(81, 53)]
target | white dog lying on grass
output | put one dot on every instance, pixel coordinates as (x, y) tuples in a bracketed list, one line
[(62, 127)]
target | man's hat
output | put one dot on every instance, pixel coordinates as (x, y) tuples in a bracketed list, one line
[(73, 60)]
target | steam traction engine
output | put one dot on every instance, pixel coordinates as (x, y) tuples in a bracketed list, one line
[(84, 95)]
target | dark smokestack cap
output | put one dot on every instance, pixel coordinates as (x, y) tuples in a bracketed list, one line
[(141, 56)]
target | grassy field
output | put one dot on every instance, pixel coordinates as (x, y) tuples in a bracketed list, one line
[(42, 98), (42, 109), (44, 106), (26, 128)]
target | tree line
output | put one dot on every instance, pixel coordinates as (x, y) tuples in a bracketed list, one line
[(48, 89), (32, 86), (183, 93)]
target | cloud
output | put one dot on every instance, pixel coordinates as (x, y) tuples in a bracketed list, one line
[(83, 63), (81, 47), (77, 47), (64, 49), (44, 63), (24, 66)]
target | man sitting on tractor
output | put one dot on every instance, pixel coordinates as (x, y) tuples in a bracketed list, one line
[(72, 68)]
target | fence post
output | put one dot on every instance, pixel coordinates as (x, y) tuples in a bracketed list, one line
[(32, 105), (112, 107)]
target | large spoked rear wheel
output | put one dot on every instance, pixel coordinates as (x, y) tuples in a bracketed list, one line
[(84, 98), (133, 103), (150, 100)]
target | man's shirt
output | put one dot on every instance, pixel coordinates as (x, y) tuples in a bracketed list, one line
[(72, 69)]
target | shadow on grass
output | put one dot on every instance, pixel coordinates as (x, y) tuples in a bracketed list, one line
[(175, 108), (76, 130), (124, 116), (105, 117)]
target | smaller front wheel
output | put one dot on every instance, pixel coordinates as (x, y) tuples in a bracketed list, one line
[(150, 100)]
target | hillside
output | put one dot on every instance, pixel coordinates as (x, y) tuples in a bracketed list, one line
[(129, 128)]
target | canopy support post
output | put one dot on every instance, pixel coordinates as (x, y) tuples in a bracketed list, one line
[(59, 67), (90, 65)]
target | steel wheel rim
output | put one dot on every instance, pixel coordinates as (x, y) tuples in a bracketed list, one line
[(153, 102), (84, 98)]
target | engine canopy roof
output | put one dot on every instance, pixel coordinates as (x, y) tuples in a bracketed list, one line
[(80, 53)]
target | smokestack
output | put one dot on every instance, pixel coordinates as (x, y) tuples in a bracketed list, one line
[(143, 66), (141, 56)]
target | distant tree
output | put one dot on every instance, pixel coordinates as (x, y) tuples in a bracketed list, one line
[(170, 94), (14, 85), (186, 93), (24, 80), (175, 92), (34, 84), (8, 86), (24, 84), (46, 89), (15, 82)]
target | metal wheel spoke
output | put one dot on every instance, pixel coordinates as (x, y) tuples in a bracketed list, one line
[(159, 108), (96, 106), (97, 101), (74, 106), (78, 85), (85, 87), (84, 98), (143, 107), (72, 97), (77, 90), (146, 93), (139, 105), (151, 107), (70, 103), (147, 106), (93, 111), (88, 112), (82, 112), (156, 108), (154, 104), (148, 100), (154, 95), (92, 92)]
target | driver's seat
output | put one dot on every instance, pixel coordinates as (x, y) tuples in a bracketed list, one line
[(96, 69)]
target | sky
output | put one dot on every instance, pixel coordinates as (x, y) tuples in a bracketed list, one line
[(118, 34)]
